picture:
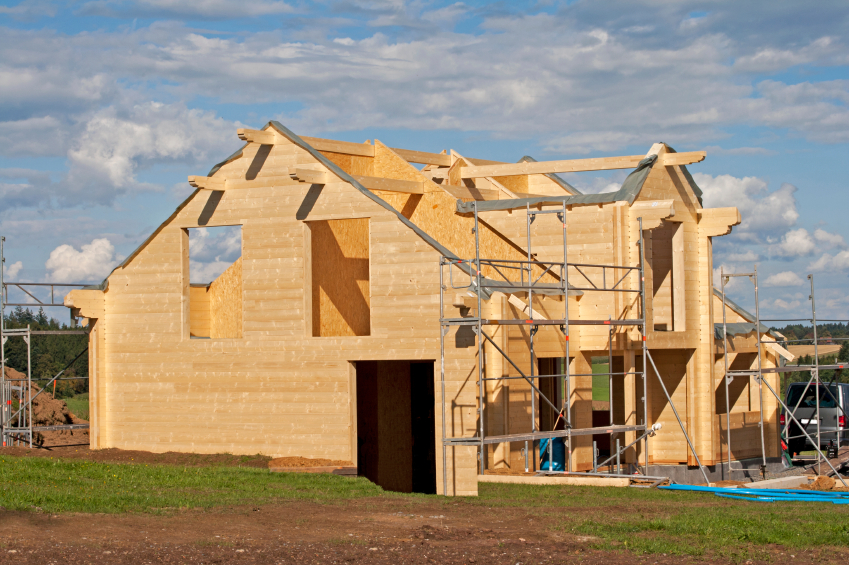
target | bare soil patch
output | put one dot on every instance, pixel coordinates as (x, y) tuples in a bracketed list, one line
[(304, 462), (396, 532)]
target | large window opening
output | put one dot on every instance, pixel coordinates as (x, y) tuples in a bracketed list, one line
[(213, 262), (667, 264), (396, 434), (339, 300)]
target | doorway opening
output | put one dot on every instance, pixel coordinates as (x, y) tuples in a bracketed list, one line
[(396, 434)]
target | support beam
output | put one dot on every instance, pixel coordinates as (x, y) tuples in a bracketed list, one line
[(470, 192), (345, 147), (305, 175), (654, 212), (310, 175), (210, 183), (391, 185), (423, 158), (718, 221), (257, 136), (577, 165)]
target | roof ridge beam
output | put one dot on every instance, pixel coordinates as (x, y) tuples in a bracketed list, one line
[(578, 165)]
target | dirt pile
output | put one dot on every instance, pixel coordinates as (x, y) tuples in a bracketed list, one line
[(49, 411), (46, 410), (822, 483)]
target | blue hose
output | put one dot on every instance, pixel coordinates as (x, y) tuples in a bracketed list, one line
[(768, 495)]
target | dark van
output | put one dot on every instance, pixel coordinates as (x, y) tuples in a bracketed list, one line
[(802, 402)]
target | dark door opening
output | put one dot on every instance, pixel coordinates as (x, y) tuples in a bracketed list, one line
[(395, 425)]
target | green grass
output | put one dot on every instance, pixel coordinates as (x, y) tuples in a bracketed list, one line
[(601, 383), (78, 405), (83, 486), (678, 523)]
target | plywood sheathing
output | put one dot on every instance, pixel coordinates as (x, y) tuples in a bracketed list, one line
[(340, 277), (199, 325), (225, 303)]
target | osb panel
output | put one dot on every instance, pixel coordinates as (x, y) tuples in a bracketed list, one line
[(199, 311), (341, 298), (225, 303), (352, 164), (434, 212), (515, 183)]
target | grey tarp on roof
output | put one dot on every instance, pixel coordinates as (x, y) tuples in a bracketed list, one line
[(628, 192), (737, 328)]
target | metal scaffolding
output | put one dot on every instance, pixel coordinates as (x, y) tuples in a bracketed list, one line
[(526, 276), (16, 424), (759, 371)]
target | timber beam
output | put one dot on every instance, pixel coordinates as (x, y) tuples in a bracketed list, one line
[(718, 221), (269, 137), (577, 165)]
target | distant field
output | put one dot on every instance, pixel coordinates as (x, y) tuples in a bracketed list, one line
[(799, 350), (601, 383), (78, 405)]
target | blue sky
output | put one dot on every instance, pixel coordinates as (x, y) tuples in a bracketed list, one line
[(106, 106)]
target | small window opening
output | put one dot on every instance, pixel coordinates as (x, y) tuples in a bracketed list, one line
[(214, 257)]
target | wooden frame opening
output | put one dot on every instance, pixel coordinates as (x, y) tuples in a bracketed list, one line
[(337, 278), (213, 282), (396, 432), (667, 264)]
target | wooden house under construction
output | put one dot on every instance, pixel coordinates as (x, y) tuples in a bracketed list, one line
[(429, 324)]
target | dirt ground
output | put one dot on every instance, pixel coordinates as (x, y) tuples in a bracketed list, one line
[(374, 530), (800, 350), (361, 531)]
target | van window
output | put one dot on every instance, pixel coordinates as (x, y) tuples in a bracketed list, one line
[(808, 401)]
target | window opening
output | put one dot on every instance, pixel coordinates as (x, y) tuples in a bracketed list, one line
[(340, 297), (214, 257)]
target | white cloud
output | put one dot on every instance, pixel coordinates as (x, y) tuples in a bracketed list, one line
[(212, 250), (744, 257), (717, 150), (782, 304), (595, 85), (832, 239), (30, 9), (760, 209), (826, 262), (734, 284), (92, 263), (794, 243), (10, 272), (116, 145), (203, 9), (785, 278)]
